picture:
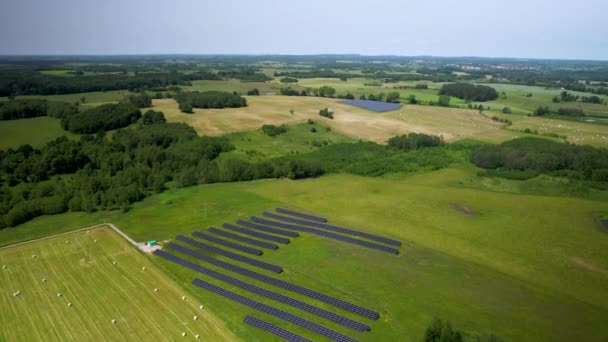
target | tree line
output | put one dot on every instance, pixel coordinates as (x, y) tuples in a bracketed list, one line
[(21, 109), (469, 92), (208, 99)]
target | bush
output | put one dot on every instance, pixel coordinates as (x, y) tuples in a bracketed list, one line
[(326, 113), (253, 92), (575, 112), (153, 117), (414, 141), (289, 80), (272, 130), (422, 86), (506, 110), (540, 111), (443, 100)]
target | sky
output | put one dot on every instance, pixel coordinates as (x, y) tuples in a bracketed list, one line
[(489, 28)]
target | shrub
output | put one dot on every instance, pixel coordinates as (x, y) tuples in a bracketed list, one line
[(414, 141), (326, 113), (469, 92), (272, 130)]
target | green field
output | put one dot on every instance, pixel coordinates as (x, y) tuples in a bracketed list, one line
[(94, 291), (35, 131), (526, 267)]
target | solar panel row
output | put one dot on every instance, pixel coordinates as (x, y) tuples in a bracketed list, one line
[(227, 243), (278, 239), (267, 293), (247, 260), (301, 215), (270, 230), (334, 228), (276, 282), (326, 234), (243, 239), (273, 329), (319, 329)]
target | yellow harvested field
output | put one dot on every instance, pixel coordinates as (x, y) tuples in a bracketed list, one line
[(451, 123)]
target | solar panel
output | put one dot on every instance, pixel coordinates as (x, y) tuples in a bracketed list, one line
[(306, 324), (247, 260), (333, 228), (276, 282), (301, 215), (243, 239), (227, 243), (327, 234), (256, 234), (376, 106), (273, 329), (268, 229), (268, 294)]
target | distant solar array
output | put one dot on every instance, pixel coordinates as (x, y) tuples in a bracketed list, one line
[(279, 283), (326, 234), (267, 293), (227, 243), (319, 329), (256, 234), (376, 106), (247, 260), (243, 239), (273, 329)]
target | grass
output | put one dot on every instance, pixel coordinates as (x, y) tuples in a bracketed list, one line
[(355, 122), (80, 267), (34, 131), (255, 145), (527, 267)]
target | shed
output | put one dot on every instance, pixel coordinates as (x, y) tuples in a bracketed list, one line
[(151, 243)]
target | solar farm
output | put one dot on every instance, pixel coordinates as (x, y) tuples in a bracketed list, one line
[(219, 271), (92, 286), (376, 106)]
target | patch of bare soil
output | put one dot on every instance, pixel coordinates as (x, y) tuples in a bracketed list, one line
[(580, 262), (463, 210)]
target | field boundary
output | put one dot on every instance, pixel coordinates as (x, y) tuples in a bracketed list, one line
[(141, 246)]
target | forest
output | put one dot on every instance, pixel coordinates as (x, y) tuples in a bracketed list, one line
[(469, 92), (208, 99)]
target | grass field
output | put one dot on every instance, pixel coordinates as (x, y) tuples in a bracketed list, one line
[(527, 267), (355, 122), (34, 131), (80, 267)]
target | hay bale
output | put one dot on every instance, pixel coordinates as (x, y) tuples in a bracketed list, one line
[(4, 266), (114, 263), (201, 307), (58, 295), (184, 334), (197, 336), (113, 321), (69, 305), (34, 256), (195, 317), (155, 290), (143, 268), (44, 280), (183, 297)]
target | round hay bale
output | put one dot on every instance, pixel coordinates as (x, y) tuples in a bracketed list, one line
[(201, 307), (69, 305), (44, 280), (184, 334), (67, 241), (143, 268), (195, 317), (4, 266), (34, 256), (113, 321), (58, 295), (183, 297), (155, 290), (197, 336), (114, 262)]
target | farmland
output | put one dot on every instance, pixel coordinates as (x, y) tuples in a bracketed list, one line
[(34, 131), (497, 250), (73, 286)]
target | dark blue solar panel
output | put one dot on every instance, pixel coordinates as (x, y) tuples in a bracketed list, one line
[(247, 260), (267, 293), (278, 239), (273, 329), (276, 282), (326, 234), (306, 324), (268, 229), (227, 243), (243, 239), (333, 228), (301, 215), (376, 106)]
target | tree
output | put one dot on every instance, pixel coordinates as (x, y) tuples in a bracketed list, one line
[(326, 113), (393, 97), (440, 331), (506, 110), (253, 92), (153, 117), (186, 107), (412, 99), (443, 100), (327, 91)]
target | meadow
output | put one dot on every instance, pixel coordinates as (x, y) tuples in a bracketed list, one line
[(34, 131), (526, 267), (73, 286)]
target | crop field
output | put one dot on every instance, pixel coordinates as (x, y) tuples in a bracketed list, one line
[(33, 131), (530, 267), (352, 121), (92, 285)]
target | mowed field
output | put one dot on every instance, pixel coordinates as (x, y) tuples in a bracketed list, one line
[(34, 131), (526, 267), (80, 266), (451, 123)]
